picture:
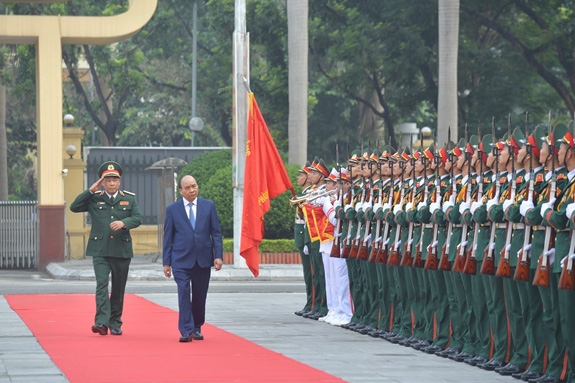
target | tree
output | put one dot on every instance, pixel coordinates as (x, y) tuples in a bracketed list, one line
[(297, 16)]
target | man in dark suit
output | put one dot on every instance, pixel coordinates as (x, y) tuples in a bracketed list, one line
[(113, 212), (192, 244)]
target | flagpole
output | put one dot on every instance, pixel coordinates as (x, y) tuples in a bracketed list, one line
[(240, 121)]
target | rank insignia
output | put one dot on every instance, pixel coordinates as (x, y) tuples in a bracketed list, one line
[(502, 180), (443, 184), (539, 178), (561, 176), (519, 179)]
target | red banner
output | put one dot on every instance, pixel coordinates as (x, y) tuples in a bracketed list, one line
[(265, 178)]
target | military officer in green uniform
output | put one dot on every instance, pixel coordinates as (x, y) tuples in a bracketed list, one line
[(113, 213)]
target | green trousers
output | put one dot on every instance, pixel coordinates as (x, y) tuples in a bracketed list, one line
[(532, 308), (109, 307), (307, 278), (552, 327)]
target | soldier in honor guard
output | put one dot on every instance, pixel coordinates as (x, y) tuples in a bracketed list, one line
[(317, 174), (554, 213), (300, 231), (555, 180), (114, 213)]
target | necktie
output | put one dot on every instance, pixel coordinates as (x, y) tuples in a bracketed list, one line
[(192, 217), (112, 199)]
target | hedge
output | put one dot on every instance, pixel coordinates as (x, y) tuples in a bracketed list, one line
[(267, 246)]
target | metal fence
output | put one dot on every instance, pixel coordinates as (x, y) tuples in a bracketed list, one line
[(18, 234)]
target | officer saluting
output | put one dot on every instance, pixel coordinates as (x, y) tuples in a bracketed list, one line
[(113, 213)]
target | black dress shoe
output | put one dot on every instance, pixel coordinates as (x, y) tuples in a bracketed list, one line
[(116, 331), (431, 349), (475, 360), (196, 335), (460, 357), (395, 339), (448, 351), (186, 338), (300, 312), (306, 315), (420, 345), (510, 369), (316, 316), (100, 329), (366, 330), (491, 365), (546, 379), (527, 375)]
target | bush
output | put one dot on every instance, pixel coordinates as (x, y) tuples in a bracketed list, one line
[(213, 172), (267, 246)]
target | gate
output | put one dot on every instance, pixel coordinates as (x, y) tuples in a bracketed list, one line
[(18, 234)]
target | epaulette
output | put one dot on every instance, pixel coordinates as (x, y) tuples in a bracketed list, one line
[(129, 193), (561, 176), (100, 192), (486, 180), (539, 178), (442, 184)]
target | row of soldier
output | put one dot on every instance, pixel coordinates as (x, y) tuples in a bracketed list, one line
[(465, 252)]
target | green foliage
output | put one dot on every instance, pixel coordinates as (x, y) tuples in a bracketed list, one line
[(219, 190), (267, 246), (204, 167)]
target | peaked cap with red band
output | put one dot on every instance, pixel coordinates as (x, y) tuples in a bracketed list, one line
[(110, 169)]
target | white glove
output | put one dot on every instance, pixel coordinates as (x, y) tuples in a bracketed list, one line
[(546, 206), (490, 203), (347, 208), (421, 205), (462, 207), (398, 243), (377, 206), (570, 209), (386, 206), (433, 207), (474, 206), (447, 205), (386, 242), (366, 205), (525, 207), (337, 203), (434, 244), (396, 209), (564, 260), (321, 201), (358, 206), (305, 250), (408, 206), (506, 204)]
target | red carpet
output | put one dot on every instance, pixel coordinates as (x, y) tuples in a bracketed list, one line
[(149, 350)]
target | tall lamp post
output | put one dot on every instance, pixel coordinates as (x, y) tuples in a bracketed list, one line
[(196, 125)]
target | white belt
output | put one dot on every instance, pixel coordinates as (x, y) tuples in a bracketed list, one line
[(299, 221), (458, 225), (518, 226), (428, 226), (501, 226)]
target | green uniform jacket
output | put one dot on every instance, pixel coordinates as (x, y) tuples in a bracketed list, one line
[(103, 241)]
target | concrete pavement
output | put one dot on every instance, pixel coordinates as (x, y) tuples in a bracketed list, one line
[(254, 309)]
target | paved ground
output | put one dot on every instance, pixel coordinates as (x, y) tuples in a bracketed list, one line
[(259, 310)]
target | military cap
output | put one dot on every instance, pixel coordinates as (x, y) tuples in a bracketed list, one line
[(333, 176), (110, 169), (321, 167), (516, 140), (374, 156), (416, 155), (485, 146), (366, 154), (472, 145), (386, 153), (306, 168), (428, 153), (500, 145), (562, 134), (355, 156), (535, 140), (343, 175), (444, 151), (405, 155), (458, 149)]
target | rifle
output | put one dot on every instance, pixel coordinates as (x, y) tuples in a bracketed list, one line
[(336, 248), (362, 253), (459, 263), (567, 278), (376, 243), (418, 262), (347, 244), (522, 269), (407, 260), (431, 260), (444, 263), (393, 259), (504, 268), (471, 261), (357, 240), (381, 256), (488, 264), (541, 277)]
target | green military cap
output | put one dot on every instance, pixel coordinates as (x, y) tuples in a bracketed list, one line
[(517, 138), (429, 153), (443, 153), (366, 154), (386, 153), (458, 149), (374, 155), (110, 169), (405, 155), (535, 140), (473, 144), (562, 134), (306, 168), (321, 167), (486, 143), (355, 156)]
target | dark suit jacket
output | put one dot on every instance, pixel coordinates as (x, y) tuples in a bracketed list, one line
[(184, 246)]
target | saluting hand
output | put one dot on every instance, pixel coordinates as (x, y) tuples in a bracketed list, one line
[(94, 188)]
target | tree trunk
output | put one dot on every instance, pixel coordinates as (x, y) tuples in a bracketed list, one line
[(447, 76), (3, 146), (297, 16)]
